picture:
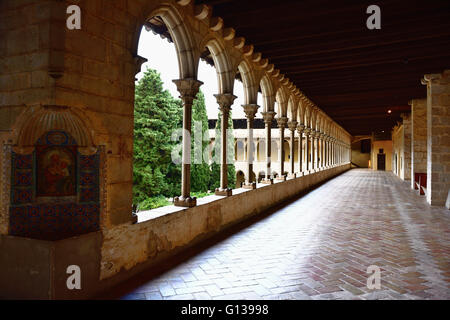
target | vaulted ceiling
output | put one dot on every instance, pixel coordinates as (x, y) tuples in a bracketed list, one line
[(354, 74)]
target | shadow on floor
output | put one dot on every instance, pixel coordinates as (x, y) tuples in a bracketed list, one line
[(140, 279)]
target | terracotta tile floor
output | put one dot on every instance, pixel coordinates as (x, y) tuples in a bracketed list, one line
[(319, 247)]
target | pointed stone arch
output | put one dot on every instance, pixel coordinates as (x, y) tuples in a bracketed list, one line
[(222, 63), (249, 81), (268, 93), (185, 45)]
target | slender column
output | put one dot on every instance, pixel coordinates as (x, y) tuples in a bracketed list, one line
[(225, 101), (250, 112), (300, 129), (332, 152), (313, 149), (188, 89), (326, 150), (307, 147), (320, 142), (282, 121), (268, 117), (292, 126), (318, 157)]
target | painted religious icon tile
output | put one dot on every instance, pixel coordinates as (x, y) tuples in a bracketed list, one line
[(56, 171)]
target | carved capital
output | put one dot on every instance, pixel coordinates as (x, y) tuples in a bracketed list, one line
[(268, 116), (225, 101), (300, 128), (250, 110), (292, 125), (430, 77), (282, 121), (188, 89)]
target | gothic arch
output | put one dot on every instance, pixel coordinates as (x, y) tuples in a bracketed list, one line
[(180, 32), (222, 63), (268, 93)]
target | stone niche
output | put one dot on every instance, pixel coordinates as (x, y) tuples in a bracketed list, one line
[(54, 177)]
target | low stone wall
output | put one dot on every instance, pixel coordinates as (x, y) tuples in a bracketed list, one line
[(126, 246), (113, 255)]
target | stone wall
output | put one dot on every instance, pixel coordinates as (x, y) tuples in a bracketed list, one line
[(418, 138), (406, 170), (397, 151), (386, 145), (113, 255), (438, 137)]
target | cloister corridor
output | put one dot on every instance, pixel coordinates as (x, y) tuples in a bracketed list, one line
[(318, 247)]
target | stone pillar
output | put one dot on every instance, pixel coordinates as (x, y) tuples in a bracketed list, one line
[(188, 89), (300, 129), (333, 158), (418, 137), (406, 174), (282, 121), (292, 126), (438, 137), (322, 151), (313, 149), (268, 117), (307, 147), (225, 102), (327, 151), (250, 112)]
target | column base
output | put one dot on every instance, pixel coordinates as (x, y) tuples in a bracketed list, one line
[(223, 192), (281, 178), (250, 186), (292, 176), (300, 174), (185, 202), (267, 181)]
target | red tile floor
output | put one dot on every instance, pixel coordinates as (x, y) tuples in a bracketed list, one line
[(319, 247)]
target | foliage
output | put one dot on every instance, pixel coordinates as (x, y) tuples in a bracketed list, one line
[(156, 115), (200, 172)]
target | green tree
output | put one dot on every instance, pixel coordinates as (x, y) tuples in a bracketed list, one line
[(200, 172), (156, 115)]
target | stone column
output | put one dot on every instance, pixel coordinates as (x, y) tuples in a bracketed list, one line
[(282, 121), (321, 165), (313, 149), (406, 172), (327, 151), (268, 117), (333, 159), (307, 147), (250, 112), (438, 138), (188, 89), (292, 126), (300, 129), (225, 102), (418, 138)]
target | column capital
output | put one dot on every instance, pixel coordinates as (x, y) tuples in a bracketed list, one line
[(225, 101), (188, 88), (300, 128), (268, 116), (282, 121), (307, 131), (292, 125), (250, 110)]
